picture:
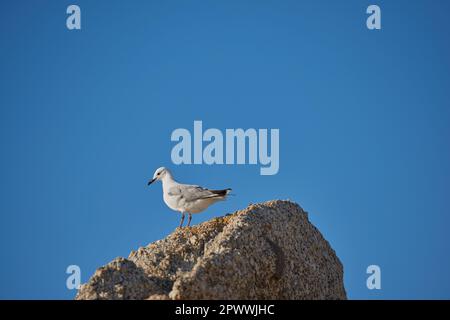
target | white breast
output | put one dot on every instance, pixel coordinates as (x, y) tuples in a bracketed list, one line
[(172, 202)]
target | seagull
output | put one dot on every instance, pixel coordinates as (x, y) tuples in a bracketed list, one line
[(186, 198)]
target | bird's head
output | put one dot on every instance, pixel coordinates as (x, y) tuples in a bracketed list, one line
[(159, 174)]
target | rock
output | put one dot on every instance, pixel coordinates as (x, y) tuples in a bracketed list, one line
[(266, 251)]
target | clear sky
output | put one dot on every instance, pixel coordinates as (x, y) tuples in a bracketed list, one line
[(86, 117)]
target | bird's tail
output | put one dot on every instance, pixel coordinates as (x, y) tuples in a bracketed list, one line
[(221, 193)]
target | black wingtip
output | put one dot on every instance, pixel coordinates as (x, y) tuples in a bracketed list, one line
[(221, 193)]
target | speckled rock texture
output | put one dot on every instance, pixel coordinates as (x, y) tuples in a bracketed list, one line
[(266, 251)]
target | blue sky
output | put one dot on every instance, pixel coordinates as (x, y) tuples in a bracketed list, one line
[(86, 118)]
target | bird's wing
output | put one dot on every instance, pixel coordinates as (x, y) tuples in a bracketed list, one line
[(192, 192)]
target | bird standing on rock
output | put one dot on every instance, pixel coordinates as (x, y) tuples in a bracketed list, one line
[(186, 198)]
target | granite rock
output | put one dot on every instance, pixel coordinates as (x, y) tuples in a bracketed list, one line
[(266, 251)]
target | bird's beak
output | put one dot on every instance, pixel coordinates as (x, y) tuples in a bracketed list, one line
[(151, 181)]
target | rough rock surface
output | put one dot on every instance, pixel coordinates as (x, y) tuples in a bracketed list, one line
[(266, 251)]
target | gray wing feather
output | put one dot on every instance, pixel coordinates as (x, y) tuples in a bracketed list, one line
[(191, 192)]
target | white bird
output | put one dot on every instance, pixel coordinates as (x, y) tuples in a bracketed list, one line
[(186, 198)]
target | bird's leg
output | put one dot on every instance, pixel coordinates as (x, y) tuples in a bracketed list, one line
[(182, 220), (189, 219)]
